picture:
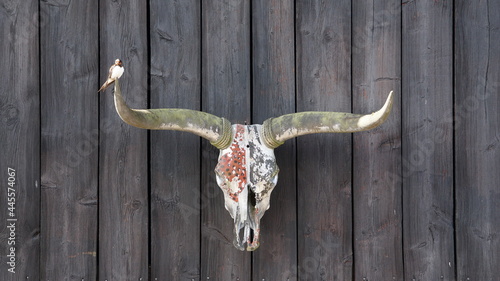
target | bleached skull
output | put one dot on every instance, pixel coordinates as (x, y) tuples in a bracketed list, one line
[(247, 171), (247, 174)]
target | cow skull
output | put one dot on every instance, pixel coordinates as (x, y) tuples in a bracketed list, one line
[(247, 171)]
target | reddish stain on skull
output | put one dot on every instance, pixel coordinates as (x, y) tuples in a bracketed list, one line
[(232, 165)]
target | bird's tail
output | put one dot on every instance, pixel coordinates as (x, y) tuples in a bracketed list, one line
[(106, 85)]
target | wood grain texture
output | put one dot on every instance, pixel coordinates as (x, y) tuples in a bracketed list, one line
[(20, 141), (274, 95), (413, 199), (376, 53), (428, 140), (175, 30), (477, 131), (226, 93), (323, 33), (69, 148), (123, 158)]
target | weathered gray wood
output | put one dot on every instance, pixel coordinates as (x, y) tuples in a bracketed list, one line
[(53, 134), (226, 93), (123, 158), (20, 142), (69, 122), (175, 29), (324, 161), (376, 53), (477, 137), (428, 140), (274, 95)]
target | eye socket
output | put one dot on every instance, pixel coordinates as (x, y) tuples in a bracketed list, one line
[(251, 196), (275, 172)]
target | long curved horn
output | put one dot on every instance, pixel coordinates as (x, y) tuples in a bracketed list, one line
[(278, 130), (215, 129)]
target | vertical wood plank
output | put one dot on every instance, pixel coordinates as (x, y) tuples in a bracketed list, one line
[(477, 131), (69, 122), (20, 141), (324, 161), (376, 57), (123, 163), (428, 140), (175, 29), (226, 93), (274, 95)]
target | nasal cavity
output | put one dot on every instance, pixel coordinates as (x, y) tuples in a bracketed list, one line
[(250, 237), (251, 196), (246, 234)]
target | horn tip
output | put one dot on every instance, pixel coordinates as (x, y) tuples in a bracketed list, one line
[(391, 94), (375, 119)]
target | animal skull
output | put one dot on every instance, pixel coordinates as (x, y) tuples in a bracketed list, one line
[(247, 171)]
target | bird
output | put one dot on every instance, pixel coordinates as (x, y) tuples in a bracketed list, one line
[(115, 72)]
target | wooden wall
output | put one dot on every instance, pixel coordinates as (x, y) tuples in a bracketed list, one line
[(95, 199)]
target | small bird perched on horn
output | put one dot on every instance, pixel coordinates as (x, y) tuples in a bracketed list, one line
[(115, 72)]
